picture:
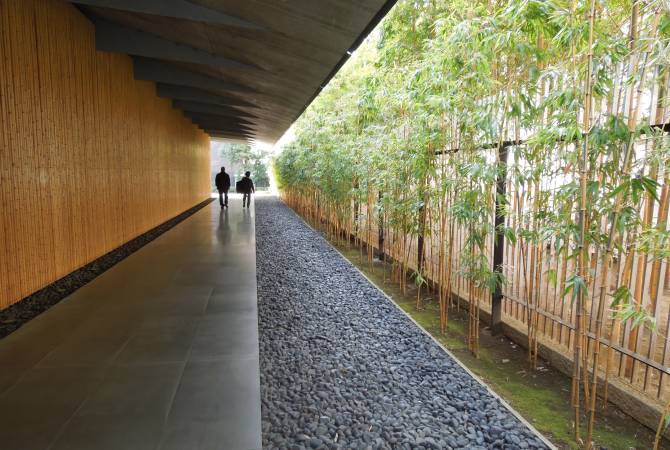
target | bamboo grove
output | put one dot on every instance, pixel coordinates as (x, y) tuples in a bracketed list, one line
[(539, 125)]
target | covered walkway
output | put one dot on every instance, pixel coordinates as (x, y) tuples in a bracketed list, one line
[(161, 351)]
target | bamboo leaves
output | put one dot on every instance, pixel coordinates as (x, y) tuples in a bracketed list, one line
[(575, 286), (406, 143)]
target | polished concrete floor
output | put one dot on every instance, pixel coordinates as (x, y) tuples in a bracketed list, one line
[(159, 352)]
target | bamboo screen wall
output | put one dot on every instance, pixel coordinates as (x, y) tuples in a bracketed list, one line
[(89, 157), (637, 357)]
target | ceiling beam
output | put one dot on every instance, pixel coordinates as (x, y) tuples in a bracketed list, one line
[(164, 72), (198, 95), (111, 37), (208, 108), (217, 118), (231, 138), (226, 129), (214, 132), (221, 125), (179, 9)]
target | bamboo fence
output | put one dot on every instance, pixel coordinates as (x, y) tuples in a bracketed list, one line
[(535, 278)]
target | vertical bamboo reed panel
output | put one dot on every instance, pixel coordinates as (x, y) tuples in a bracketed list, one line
[(89, 157), (556, 313)]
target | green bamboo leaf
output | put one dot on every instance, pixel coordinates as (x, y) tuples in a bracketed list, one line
[(621, 296), (510, 235), (576, 286), (552, 276)]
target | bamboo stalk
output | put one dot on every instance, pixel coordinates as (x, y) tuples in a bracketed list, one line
[(661, 426), (582, 247), (627, 160)]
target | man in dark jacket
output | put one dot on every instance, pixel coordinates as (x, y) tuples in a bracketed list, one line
[(247, 187), (222, 182)]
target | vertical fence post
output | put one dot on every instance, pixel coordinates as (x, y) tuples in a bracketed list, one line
[(420, 250), (419, 246), (357, 211), (499, 240), (380, 228)]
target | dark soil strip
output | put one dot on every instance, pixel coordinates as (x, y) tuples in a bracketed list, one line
[(13, 317)]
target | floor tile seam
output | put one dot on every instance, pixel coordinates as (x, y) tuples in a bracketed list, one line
[(129, 337), (110, 365), (104, 378), (145, 364), (69, 420), (72, 366), (166, 417), (16, 382), (180, 379), (227, 358), (38, 364), (204, 309), (88, 396), (254, 355), (188, 359), (244, 308), (79, 325)]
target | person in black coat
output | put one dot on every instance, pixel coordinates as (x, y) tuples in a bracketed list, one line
[(247, 187), (222, 182)]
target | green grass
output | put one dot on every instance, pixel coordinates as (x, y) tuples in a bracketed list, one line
[(541, 397)]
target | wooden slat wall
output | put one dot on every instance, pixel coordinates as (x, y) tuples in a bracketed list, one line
[(89, 157)]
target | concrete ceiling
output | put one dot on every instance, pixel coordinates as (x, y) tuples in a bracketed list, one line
[(239, 69)]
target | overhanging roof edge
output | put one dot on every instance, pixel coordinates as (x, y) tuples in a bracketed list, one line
[(359, 40)]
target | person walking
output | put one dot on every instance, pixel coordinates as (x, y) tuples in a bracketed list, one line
[(222, 182), (247, 188)]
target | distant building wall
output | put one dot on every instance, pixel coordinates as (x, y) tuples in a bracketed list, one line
[(89, 157)]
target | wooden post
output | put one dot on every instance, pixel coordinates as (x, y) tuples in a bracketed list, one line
[(421, 253), (499, 241), (380, 227), (357, 210), (419, 248)]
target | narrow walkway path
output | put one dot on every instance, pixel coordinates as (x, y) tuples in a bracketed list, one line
[(341, 367), (159, 352)]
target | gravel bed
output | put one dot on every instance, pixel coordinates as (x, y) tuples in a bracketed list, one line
[(13, 317), (341, 367)]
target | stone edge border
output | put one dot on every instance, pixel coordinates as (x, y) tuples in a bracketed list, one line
[(31, 306), (439, 344)]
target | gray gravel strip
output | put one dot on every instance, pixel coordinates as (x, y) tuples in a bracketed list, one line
[(341, 367)]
